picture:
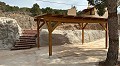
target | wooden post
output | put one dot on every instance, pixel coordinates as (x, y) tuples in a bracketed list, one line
[(50, 38), (50, 43), (38, 38), (106, 35), (82, 34)]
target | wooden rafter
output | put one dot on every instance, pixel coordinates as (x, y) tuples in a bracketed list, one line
[(70, 17), (80, 25), (103, 26), (41, 25), (48, 25), (84, 26), (55, 26), (69, 20)]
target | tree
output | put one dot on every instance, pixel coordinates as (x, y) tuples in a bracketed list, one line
[(35, 10), (8, 8), (25, 9), (47, 10), (2, 3), (15, 8), (112, 54), (113, 50), (79, 13)]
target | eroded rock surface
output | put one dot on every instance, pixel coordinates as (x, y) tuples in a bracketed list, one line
[(9, 32)]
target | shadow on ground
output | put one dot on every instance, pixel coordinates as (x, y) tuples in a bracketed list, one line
[(74, 56)]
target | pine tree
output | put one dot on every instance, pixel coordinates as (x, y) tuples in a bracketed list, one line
[(35, 10)]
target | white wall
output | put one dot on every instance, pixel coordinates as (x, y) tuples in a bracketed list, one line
[(72, 11)]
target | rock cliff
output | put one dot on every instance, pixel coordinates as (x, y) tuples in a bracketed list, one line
[(9, 32)]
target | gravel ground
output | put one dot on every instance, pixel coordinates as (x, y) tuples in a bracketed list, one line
[(63, 55), (75, 54)]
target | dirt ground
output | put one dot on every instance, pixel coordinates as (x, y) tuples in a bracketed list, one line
[(88, 54)]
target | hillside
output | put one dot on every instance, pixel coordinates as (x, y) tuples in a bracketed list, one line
[(24, 21), (25, 16)]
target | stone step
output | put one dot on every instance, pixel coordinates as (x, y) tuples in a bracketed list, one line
[(26, 41), (21, 45), (27, 37), (28, 34), (20, 41), (30, 44), (20, 48), (30, 31)]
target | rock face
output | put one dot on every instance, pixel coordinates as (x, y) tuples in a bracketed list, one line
[(9, 32), (24, 21), (70, 36)]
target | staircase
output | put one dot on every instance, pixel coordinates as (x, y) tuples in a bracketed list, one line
[(26, 41)]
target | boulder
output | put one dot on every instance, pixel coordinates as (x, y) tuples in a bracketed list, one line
[(9, 32)]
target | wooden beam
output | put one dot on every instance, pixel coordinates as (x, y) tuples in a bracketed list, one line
[(41, 25), (72, 20), (85, 26), (106, 35), (47, 25), (55, 26), (38, 38), (103, 26), (82, 34), (50, 26), (80, 25)]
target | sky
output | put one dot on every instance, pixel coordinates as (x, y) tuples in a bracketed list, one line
[(63, 4), (55, 4)]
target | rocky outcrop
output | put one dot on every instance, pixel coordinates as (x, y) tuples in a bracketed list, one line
[(24, 21), (9, 32)]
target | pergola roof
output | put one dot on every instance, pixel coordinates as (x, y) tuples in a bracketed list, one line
[(70, 19)]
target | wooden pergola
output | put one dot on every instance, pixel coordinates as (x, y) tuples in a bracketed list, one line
[(52, 21)]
